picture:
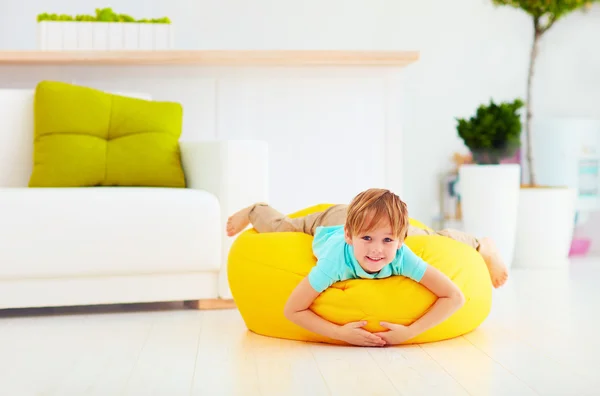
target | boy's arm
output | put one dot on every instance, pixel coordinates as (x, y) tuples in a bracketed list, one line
[(297, 310), (450, 299)]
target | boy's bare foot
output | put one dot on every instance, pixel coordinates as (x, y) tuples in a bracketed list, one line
[(496, 267), (238, 221)]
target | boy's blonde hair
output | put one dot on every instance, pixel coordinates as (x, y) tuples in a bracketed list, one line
[(369, 208)]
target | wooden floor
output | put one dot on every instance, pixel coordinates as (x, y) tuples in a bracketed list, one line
[(542, 337)]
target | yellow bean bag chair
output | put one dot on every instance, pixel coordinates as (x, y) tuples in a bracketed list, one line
[(263, 270)]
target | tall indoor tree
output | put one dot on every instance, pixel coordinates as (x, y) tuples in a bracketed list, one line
[(544, 14)]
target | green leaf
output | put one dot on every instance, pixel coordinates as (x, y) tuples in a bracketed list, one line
[(105, 15), (125, 18), (546, 12), (85, 18)]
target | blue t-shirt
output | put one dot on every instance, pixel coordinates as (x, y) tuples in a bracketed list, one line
[(336, 261)]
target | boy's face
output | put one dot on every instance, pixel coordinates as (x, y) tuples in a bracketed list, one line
[(375, 249)]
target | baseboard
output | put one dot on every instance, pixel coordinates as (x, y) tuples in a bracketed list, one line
[(211, 304)]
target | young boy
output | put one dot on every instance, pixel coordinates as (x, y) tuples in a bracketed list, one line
[(365, 240)]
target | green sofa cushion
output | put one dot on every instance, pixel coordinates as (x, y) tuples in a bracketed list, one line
[(86, 137)]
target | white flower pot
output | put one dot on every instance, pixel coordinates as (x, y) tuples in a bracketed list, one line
[(489, 197), (69, 35), (545, 227)]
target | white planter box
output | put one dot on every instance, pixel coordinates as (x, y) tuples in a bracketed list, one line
[(50, 35), (116, 36), (146, 36), (103, 36), (131, 36), (85, 35), (545, 227), (490, 202), (100, 35)]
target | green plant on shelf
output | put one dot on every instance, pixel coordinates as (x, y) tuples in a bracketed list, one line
[(102, 15)]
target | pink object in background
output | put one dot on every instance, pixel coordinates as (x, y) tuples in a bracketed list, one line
[(580, 246), (515, 159)]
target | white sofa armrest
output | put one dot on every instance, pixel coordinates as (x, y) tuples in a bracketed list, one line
[(236, 172)]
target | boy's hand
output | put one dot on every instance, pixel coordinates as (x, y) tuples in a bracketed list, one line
[(397, 333), (352, 333)]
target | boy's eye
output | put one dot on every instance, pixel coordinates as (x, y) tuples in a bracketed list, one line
[(388, 240), (366, 238)]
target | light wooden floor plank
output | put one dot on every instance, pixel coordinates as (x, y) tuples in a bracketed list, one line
[(541, 372), (166, 362), (108, 363), (474, 370), (225, 362), (351, 371), (414, 372), (48, 352), (286, 368)]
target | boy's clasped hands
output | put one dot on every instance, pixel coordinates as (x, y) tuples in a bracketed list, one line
[(353, 333)]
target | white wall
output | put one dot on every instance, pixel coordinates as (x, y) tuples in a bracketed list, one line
[(471, 51)]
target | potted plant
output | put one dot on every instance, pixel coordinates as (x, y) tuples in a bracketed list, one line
[(489, 189), (546, 213), (106, 30)]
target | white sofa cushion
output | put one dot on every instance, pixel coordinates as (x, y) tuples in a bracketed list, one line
[(70, 232)]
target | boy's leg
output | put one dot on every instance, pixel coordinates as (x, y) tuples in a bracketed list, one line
[(333, 216), (485, 246), (450, 233), (265, 218)]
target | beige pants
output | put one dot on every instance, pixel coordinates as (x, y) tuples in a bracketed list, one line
[(266, 219)]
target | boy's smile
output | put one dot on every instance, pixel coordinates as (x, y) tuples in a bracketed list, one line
[(374, 259)]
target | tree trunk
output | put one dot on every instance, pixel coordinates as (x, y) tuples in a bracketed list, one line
[(534, 52)]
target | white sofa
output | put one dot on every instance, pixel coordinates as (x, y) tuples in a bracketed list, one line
[(107, 245)]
